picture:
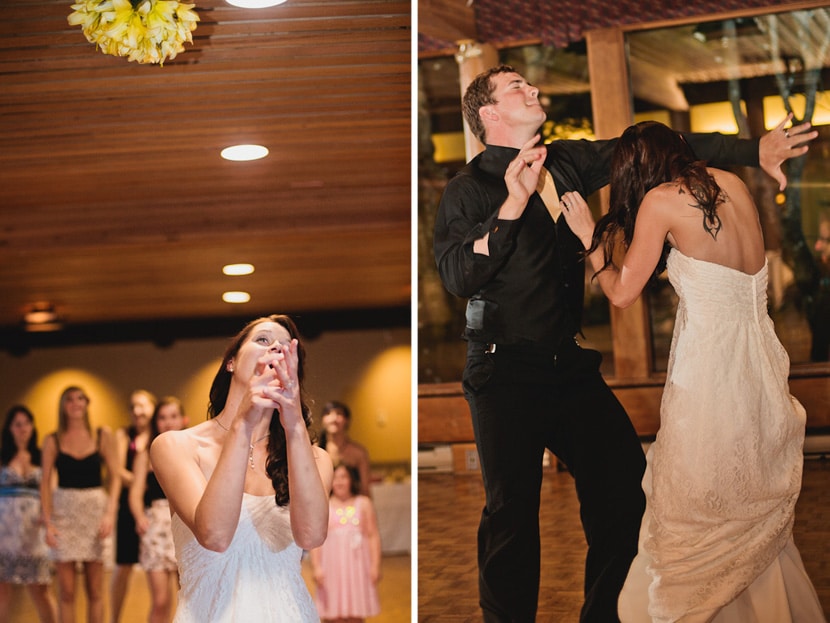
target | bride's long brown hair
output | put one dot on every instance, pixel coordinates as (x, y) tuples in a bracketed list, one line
[(276, 465), (646, 155)]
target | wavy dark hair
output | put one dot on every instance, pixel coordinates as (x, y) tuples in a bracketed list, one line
[(646, 155), (276, 466), (8, 448)]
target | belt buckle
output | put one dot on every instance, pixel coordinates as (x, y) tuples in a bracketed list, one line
[(490, 348)]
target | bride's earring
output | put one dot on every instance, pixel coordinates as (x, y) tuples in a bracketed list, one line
[(229, 367)]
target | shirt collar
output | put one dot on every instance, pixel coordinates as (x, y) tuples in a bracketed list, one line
[(495, 158)]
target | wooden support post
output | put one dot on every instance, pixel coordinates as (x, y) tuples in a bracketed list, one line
[(473, 58), (613, 112)]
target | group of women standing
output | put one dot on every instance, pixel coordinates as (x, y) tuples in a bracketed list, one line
[(58, 512)]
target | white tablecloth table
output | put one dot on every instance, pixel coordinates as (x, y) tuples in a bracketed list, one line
[(393, 504)]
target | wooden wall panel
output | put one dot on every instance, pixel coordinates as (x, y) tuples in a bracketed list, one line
[(443, 415), (814, 393)]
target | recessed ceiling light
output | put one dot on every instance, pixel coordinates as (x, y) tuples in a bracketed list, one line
[(40, 317), (238, 269), (254, 4), (236, 297), (241, 153), (40, 313)]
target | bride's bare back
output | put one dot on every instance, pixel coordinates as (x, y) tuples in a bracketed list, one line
[(738, 244)]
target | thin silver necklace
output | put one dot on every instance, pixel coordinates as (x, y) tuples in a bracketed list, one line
[(250, 445), (251, 448)]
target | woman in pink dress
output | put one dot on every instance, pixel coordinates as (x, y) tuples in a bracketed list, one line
[(347, 566)]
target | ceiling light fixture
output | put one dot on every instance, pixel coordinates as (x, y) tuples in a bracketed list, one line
[(254, 4), (238, 269), (41, 316), (242, 153), (236, 297), (40, 313)]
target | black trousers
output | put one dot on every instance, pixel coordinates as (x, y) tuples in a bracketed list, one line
[(522, 401)]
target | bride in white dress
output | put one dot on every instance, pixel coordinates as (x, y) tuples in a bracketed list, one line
[(238, 539), (724, 473)]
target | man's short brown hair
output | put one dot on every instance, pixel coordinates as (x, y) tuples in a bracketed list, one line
[(480, 93)]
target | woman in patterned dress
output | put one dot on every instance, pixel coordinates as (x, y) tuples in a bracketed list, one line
[(151, 510), (79, 514), (24, 556)]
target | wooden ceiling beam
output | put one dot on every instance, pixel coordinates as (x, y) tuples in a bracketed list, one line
[(447, 20)]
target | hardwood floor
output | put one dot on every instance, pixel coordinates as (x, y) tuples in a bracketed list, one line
[(449, 507)]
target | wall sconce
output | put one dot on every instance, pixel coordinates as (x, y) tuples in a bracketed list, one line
[(42, 316)]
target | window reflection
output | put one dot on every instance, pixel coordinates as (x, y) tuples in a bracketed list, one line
[(743, 76)]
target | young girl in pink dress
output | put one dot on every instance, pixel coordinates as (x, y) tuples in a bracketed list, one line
[(347, 566)]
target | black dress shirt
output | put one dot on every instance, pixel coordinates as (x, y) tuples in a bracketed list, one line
[(530, 288)]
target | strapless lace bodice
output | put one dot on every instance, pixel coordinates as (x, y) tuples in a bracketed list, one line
[(710, 290)]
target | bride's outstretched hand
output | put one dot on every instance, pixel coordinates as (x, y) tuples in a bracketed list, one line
[(578, 216)]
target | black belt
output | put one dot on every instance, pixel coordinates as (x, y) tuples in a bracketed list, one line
[(530, 348)]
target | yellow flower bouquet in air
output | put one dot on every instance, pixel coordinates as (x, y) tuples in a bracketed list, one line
[(145, 31)]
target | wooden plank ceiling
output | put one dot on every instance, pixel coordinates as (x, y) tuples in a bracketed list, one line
[(116, 208)]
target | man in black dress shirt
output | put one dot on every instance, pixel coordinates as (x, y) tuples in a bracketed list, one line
[(529, 385)]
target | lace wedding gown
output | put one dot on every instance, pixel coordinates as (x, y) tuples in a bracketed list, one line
[(258, 578), (724, 473)]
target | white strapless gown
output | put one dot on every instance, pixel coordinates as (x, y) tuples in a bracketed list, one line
[(258, 578), (724, 473)]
